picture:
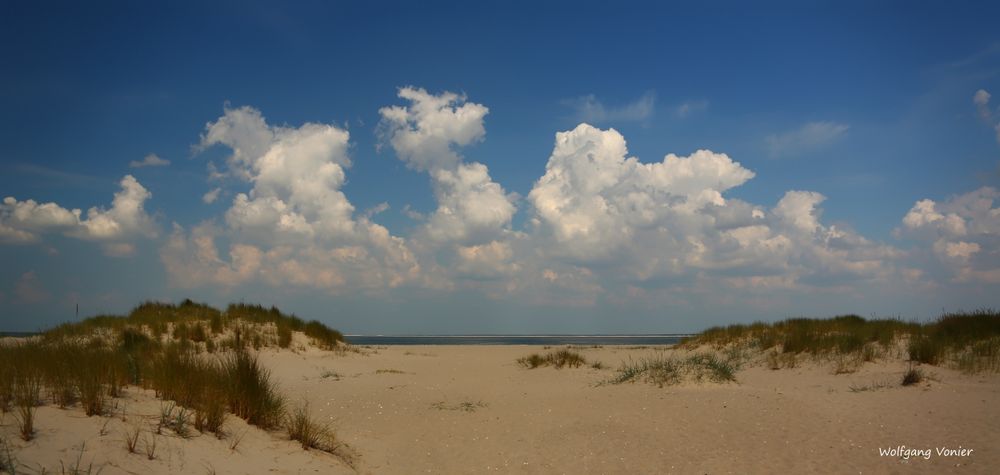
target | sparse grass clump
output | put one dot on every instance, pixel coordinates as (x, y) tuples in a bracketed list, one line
[(310, 433), (558, 359), (250, 392), (666, 370), (26, 392), (710, 365), (132, 437), (658, 370)]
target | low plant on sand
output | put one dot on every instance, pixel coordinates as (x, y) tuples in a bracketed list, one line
[(912, 376), (308, 432), (657, 370), (77, 468), (558, 359), (26, 394), (132, 436), (149, 442)]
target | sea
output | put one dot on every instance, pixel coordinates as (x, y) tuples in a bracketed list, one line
[(549, 340)]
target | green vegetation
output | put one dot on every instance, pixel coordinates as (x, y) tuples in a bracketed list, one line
[(912, 376), (308, 432), (969, 341), (666, 370), (163, 347), (558, 358)]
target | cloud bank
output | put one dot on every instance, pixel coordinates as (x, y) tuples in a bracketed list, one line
[(24, 222), (597, 225)]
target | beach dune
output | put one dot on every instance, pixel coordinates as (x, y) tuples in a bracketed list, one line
[(472, 409)]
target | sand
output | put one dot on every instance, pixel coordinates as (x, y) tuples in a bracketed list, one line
[(472, 409)]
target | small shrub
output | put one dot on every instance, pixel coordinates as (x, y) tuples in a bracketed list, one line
[(912, 376)]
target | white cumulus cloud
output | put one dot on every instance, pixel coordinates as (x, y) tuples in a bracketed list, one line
[(294, 226), (24, 221), (963, 233), (629, 221), (425, 133), (472, 208)]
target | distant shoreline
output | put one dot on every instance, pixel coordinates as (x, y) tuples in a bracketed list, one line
[(18, 334)]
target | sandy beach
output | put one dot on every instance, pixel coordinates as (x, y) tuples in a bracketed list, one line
[(473, 409)]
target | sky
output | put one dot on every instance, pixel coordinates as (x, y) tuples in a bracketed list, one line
[(500, 167)]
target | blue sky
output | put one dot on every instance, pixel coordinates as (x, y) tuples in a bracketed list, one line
[(395, 167)]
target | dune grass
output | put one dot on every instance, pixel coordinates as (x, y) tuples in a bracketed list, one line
[(311, 434), (969, 341), (162, 347), (662, 369), (558, 359)]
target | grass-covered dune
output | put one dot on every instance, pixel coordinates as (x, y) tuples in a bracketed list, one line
[(969, 341), (195, 356)]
